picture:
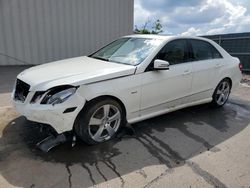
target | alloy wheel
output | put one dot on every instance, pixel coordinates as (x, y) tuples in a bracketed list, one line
[(104, 123), (222, 92)]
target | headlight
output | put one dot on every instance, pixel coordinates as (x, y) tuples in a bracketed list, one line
[(58, 95), (38, 95)]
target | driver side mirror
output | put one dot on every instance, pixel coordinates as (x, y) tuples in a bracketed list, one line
[(161, 65)]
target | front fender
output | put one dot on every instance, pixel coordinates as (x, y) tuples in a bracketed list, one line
[(126, 89)]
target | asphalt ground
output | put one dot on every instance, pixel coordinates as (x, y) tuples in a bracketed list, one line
[(194, 147)]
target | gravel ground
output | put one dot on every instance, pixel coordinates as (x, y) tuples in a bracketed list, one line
[(246, 79)]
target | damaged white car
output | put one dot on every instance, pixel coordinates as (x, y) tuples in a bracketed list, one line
[(129, 80)]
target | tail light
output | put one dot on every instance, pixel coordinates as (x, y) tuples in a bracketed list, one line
[(240, 66)]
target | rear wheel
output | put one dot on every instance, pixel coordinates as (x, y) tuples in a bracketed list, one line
[(99, 121), (221, 93)]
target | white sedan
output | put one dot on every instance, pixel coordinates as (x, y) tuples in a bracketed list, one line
[(131, 79)]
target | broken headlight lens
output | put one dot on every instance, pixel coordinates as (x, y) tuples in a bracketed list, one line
[(38, 95), (58, 95)]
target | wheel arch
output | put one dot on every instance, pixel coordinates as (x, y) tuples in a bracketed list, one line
[(223, 78), (82, 131), (101, 97), (214, 101), (229, 79)]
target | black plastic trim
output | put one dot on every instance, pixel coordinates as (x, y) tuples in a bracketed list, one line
[(68, 110)]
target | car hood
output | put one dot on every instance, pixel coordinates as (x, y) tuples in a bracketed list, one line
[(73, 71)]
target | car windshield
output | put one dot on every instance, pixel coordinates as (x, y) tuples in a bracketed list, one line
[(126, 50)]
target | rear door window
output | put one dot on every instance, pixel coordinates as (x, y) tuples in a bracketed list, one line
[(202, 50)]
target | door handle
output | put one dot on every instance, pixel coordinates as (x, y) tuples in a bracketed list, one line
[(218, 65), (186, 72)]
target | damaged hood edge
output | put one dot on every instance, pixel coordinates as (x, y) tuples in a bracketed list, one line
[(74, 71)]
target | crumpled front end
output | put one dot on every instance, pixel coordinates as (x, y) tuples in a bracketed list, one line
[(60, 116)]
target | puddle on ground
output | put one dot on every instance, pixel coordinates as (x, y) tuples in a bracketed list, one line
[(171, 139)]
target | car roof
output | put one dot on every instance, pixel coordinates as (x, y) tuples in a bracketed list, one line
[(151, 36), (164, 37)]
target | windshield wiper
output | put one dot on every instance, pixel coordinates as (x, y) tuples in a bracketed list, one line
[(109, 60), (101, 58)]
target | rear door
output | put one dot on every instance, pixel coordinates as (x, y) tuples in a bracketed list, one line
[(206, 65)]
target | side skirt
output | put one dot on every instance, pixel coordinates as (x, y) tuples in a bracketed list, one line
[(164, 111)]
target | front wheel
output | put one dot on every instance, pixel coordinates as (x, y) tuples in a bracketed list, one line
[(99, 121), (221, 93)]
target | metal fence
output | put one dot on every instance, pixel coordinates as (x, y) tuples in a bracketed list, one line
[(237, 44)]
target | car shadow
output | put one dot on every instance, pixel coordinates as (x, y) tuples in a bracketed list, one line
[(169, 139)]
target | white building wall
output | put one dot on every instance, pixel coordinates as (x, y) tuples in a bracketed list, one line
[(40, 31)]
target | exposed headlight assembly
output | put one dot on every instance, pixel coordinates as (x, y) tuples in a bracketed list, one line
[(38, 95), (55, 95)]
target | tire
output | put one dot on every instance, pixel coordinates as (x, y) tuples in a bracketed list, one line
[(221, 93), (99, 121)]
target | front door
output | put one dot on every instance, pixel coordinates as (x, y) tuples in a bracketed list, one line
[(162, 89)]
